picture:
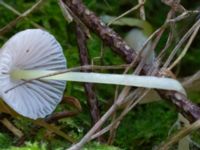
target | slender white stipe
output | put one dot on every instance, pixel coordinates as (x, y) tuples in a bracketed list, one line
[(119, 79)]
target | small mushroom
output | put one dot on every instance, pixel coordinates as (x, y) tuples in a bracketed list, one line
[(35, 54), (32, 49), (136, 39)]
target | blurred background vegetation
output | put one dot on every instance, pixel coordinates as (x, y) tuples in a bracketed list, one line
[(144, 127)]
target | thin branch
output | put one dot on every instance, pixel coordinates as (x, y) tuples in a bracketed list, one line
[(19, 14), (126, 13), (175, 5), (89, 87), (142, 10), (185, 49), (116, 122), (60, 115), (181, 42), (13, 23), (189, 81), (11, 127), (181, 134)]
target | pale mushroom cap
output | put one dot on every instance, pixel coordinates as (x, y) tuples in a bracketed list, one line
[(136, 39), (32, 49)]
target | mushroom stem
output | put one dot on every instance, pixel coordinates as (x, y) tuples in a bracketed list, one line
[(119, 79)]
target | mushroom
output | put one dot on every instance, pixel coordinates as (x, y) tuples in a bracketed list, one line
[(136, 39), (36, 56), (27, 50)]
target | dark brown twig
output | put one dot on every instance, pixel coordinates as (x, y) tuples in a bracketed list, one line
[(108, 36), (89, 87)]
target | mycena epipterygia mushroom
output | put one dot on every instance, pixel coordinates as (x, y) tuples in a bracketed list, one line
[(34, 53)]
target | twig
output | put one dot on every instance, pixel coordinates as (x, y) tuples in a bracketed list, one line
[(11, 127), (53, 118), (167, 45), (186, 48), (112, 132), (108, 36), (181, 134), (60, 115), (184, 143), (182, 16), (175, 5), (19, 14), (116, 122), (184, 38), (191, 79), (89, 87), (88, 136), (142, 10), (13, 23), (126, 13)]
